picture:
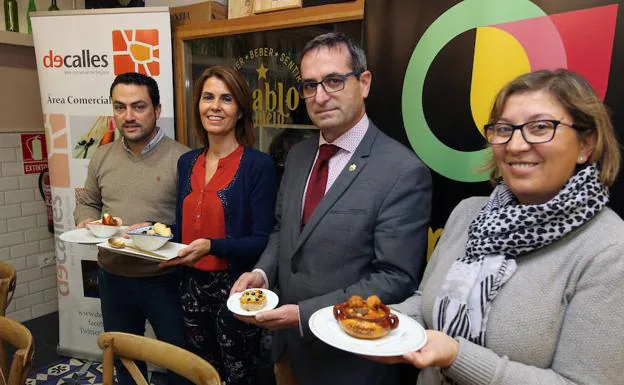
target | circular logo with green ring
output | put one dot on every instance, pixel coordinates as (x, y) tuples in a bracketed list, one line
[(458, 165)]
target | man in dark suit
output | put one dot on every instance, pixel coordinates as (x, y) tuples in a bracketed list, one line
[(352, 216)]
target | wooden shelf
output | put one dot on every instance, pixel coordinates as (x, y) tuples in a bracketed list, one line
[(299, 17), (16, 38)]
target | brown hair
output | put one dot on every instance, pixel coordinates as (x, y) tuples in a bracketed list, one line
[(241, 93), (590, 115)]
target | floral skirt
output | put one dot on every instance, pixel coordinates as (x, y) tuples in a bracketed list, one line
[(213, 333)]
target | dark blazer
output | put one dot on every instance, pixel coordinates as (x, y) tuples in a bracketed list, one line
[(248, 204), (367, 236)]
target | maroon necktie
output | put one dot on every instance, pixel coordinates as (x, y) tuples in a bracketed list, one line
[(318, 180)]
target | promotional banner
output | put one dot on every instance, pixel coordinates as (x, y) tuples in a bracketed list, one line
[(78, 54), (437, 66)]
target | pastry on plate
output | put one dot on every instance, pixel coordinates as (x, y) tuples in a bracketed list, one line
[(253, 300), (367, 320)]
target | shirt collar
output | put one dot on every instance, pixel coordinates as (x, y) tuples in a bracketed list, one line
[(160, 134), (352, 138)]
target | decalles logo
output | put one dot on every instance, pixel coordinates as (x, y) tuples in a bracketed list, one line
[(512, 37), (85, 59), (136, 51), (133, 51)]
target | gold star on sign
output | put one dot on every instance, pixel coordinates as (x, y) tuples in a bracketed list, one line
[(262, 71)]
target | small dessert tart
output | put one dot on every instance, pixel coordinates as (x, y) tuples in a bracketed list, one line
[(252, 300)]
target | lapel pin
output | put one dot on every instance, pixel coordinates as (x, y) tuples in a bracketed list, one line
[(352, 167)]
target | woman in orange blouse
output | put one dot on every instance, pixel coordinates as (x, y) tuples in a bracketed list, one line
[(226, 199)]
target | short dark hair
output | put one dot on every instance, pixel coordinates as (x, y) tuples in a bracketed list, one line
[(139, 80), (241, 92), (336, 39)]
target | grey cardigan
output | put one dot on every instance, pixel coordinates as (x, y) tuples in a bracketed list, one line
[(558, 320)]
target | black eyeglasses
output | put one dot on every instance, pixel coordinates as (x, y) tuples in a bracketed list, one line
[(533, 132), (331, 83)]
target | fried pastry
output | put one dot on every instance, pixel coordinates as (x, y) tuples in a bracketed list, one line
[(368, 319)]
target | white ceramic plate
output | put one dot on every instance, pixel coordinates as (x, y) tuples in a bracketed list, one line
[(409, 336), (233, 303), (82, 236), (167, 252)]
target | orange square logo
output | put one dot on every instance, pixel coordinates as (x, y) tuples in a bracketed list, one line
[(136, 50)]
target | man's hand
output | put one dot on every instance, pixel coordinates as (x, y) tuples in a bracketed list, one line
[(284, 317), (191, 254), (135, 226), (248, 280), (83, 223)]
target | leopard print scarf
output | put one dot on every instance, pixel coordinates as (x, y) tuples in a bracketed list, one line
[(502, 231)]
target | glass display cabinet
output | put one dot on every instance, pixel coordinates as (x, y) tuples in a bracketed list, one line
[(266, 49)]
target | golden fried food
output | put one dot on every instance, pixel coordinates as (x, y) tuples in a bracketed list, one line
[(368, 319)]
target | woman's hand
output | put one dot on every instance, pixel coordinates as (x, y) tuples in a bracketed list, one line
[(439, 351), (191, 254)]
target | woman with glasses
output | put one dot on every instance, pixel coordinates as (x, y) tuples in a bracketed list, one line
[(226, 198), (527, 286)]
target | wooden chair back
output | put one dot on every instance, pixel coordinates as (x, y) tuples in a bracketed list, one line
[(17, 335), (7, 288), (129, 347), (7, 285)]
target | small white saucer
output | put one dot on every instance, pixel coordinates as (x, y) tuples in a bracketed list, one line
[(233, 303)]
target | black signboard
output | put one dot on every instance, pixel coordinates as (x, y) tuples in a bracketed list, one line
[(437, 65)]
